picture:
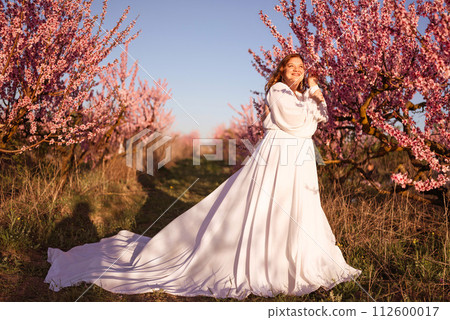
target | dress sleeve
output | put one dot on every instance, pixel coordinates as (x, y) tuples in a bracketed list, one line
[(320, 109), (322, 113), (288, 113)]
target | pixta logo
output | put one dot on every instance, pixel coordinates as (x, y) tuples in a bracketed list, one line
[(304, 152), (144, 141)]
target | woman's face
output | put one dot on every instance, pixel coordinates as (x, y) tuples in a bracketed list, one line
[(293, 72)]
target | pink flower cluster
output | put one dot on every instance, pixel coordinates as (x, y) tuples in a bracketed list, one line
[(401, 179), (50, 55), (126, 109)]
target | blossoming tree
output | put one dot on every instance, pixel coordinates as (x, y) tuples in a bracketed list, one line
[(245, 130), (50, 55), (129, 106), (373, 62)]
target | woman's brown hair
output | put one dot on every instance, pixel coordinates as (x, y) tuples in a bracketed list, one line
[(277, 74)]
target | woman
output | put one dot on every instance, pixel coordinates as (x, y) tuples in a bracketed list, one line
[(262, 231)]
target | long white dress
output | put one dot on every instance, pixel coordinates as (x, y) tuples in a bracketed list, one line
[(262, 231)]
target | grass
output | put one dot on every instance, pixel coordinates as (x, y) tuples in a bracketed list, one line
[(402, 246)]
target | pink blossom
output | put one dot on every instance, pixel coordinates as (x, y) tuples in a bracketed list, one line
[(401, 179), (50, 55)]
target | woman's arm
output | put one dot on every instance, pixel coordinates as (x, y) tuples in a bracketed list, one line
[(314, 90), (287, 112), (322, 112), (316, 94)]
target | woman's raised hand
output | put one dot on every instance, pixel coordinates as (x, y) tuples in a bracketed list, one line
[(312, 80), (317, 95)]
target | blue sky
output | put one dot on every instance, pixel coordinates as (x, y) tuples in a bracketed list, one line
[(201, 48)]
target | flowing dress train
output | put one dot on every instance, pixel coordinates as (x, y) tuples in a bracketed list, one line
[(262, 231)]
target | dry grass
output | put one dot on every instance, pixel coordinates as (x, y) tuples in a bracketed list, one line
[(401, 245)]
